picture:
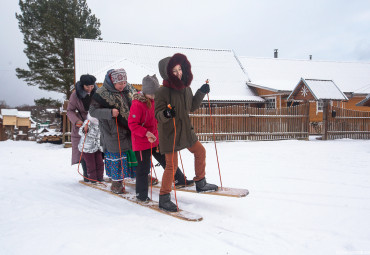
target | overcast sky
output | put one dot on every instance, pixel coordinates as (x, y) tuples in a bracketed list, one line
[(333, 30)]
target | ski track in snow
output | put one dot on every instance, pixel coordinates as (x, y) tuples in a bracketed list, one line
[(306, 197)]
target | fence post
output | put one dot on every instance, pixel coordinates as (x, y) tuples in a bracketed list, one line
[(325, 119), (308, 119)]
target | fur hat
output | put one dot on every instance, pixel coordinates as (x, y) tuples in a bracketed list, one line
[(150, 85), (87, 79), (118, 75), (187, 75)]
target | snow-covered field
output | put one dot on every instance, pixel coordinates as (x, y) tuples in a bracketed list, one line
[(306, 197)]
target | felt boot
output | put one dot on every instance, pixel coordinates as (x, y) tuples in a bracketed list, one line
[(165, 203), (203, 186)]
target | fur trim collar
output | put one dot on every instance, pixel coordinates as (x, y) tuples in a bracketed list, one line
[(140, 97), (81, 93)]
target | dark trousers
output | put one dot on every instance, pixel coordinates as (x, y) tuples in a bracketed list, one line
[(143, 169), (95, 165), (84, 168)]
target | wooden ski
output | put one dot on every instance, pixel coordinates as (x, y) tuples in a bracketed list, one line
[(224, 191), (181, 214)]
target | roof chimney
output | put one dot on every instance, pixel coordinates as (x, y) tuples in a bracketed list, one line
[(275, 53), (310, 57)]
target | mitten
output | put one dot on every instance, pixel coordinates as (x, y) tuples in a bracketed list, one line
[(205, 88), (169, 113)]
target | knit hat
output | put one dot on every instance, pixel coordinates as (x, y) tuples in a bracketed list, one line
[(150, 85), (87, 79), (118, 75)]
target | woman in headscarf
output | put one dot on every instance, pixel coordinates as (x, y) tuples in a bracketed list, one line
[(111, 106)]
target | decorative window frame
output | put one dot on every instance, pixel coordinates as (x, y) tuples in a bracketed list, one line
[(319, 106), (271, 101)]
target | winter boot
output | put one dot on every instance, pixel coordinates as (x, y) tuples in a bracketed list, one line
[(117, 187), (143, 200), (165, 203), (181, 180), (203, 186)]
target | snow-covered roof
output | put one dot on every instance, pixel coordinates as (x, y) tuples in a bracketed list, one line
[(221, 67), (283, 74), (24, 114), (321, 89), (365, 101), (16, 113), (9, 112)]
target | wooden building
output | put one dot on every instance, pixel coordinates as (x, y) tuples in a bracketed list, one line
[(274, 78), (16, 123), (227, 76), (316, 92), (2, 130), (365, 102)]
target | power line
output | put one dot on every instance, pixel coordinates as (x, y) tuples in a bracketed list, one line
[(56, 69)]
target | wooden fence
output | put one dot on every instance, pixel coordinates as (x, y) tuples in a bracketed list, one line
[(66, 126), (344, 123), (316, 128), (248, 123)]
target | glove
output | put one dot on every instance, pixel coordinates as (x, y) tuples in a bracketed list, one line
[(205, 88), (169, 113)]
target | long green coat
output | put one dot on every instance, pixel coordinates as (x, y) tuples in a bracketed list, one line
[(184, 102)]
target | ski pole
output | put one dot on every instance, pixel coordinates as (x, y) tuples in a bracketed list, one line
[(173, 155), (151, 172), (214, 138)]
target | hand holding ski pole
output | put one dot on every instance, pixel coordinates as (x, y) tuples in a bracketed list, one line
[(86, 127), (115, 113), (205, 87), (169, 112), (151, 137)]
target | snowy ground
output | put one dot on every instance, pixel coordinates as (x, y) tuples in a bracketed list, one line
[(306, 197)]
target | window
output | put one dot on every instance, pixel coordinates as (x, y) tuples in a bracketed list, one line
[(320, 105), (271, 103)]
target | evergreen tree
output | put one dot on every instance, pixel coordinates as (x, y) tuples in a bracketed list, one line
[(47, 102), (49, 28)]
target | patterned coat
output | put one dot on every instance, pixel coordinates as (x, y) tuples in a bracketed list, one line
[(104, 100), (92, 142)]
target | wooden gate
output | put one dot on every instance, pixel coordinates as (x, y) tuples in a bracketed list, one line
[(249, 123), (344, 123)]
